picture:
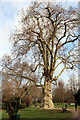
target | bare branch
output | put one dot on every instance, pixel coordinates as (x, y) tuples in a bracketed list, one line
[(37, 67), (70, 41), (61, 72), (64, 33)]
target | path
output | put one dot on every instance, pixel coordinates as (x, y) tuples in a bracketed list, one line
[(79, 114), (75, 114)]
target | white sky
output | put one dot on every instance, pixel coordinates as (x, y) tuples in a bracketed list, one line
[(9, 17), (8, 21)]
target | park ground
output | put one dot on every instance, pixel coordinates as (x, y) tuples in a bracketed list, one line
[(36, 112)]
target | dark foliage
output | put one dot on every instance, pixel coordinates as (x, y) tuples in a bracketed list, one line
[(12, 106)]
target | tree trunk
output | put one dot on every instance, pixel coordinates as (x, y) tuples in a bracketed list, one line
[(47, 96)]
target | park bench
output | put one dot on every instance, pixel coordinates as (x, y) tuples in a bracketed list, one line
[(72, 104)]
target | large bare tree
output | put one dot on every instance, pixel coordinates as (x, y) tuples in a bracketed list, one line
[(48, 35)]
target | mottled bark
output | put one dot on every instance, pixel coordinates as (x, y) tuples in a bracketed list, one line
[(47, 96)]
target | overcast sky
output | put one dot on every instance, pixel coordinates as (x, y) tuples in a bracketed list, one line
[(9, 12)]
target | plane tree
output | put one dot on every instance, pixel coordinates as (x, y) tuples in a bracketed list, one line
[(47, 35)]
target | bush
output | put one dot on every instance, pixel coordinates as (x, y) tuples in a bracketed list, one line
[(12, 106)]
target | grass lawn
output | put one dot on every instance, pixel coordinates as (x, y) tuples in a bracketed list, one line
[(39, 113), (60, 105), (4, 114)]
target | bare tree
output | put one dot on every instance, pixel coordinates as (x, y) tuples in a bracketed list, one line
[(59, 92), (34, 93), (69, 97), (7, 90), (13, 81), (27, 100), (73, 84), (47, 35)]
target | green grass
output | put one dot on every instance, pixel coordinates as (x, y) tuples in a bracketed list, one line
[(43, 114), (33, 112), (4, 114), (60, 105)]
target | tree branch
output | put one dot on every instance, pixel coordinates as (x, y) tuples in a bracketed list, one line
[(57, 46), (36, 67), (58, 65), (61, 72), (70, 41), (25, 77), (64, 33)]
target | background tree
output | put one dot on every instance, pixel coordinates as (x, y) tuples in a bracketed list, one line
[(62, 93), (13, 85), (34, 93), (27, 100), (0, 91), (0, 85), (73, 84), (59, 93), (40, 98), (46, 35), (69, 97), (71, 88), (8, 89)]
